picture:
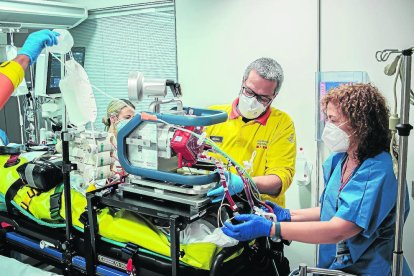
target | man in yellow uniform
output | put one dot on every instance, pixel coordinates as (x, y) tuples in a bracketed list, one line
[(257, 134), (12, 72)]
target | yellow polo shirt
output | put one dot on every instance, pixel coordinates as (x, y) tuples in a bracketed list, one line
[(271, 136)]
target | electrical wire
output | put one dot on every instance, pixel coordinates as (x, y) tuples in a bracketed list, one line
[(219, 220), (19, 108), (393, 141), (217, 149), (250, 187)]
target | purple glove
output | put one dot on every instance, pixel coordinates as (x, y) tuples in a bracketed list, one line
[(281, 214), (35, 43), (252, 227)]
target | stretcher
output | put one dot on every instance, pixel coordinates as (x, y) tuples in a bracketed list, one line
[(109, 237)]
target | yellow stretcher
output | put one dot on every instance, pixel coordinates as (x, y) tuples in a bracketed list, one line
[(121, 226)]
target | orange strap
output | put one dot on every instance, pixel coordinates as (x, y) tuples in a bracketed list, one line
[(148, 117)]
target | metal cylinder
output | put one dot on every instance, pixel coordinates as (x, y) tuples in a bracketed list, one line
[(397, 262), (303, 270), (318, 143)]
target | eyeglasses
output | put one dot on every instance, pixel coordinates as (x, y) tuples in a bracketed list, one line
[(265, 100)]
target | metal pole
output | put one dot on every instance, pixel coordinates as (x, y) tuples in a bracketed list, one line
[(35, 113), (62, 75), (303, 270), (318, 143), (175, 245), (403, 131), (67, 167)]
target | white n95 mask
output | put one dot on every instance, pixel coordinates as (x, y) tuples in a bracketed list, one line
[(335, 138), (250, 108), (77, 94)]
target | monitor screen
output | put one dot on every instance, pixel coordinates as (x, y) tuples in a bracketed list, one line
[(54, 67)]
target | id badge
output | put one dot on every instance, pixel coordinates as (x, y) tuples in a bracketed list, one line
[(342, 253)]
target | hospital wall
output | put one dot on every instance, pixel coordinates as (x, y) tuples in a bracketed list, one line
[(352, 32), (216, 40)]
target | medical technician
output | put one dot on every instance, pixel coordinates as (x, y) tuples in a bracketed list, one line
[(257, 134), (12, 72), (118, 113), (355, 223)]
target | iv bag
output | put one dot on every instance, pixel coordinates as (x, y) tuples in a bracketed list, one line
[(65, 42), (77, 94)]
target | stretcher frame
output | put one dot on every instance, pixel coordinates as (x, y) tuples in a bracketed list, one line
[(78, 253), (82, 253), (25, 236)]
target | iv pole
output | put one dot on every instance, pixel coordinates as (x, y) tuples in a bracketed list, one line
[(403, 129)]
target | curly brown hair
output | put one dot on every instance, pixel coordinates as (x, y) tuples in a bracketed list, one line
[(367, 112)]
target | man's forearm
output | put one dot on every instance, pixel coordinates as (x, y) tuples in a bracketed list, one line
[(268, 184)]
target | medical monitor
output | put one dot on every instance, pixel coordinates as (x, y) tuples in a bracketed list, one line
[(54, 68)]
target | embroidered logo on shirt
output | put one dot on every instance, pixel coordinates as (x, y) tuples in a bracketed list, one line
[(261, 144), (217, 139)]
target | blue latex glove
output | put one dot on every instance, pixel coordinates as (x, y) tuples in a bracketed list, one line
[(36, 42), (281, 214), (234, 183), (252, 227)]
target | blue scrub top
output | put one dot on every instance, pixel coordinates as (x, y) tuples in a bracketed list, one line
[(368, 200), (3, 138)]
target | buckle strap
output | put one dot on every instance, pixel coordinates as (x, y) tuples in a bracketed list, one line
[(55, 202), (83, 218), (129, 250), (31, 192)]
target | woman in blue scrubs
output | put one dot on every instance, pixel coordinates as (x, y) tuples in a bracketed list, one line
[(355, 223)]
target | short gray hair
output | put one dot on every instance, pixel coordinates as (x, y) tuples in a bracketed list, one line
[(268, 69)]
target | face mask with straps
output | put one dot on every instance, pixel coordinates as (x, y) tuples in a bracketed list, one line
[(335, 138)]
